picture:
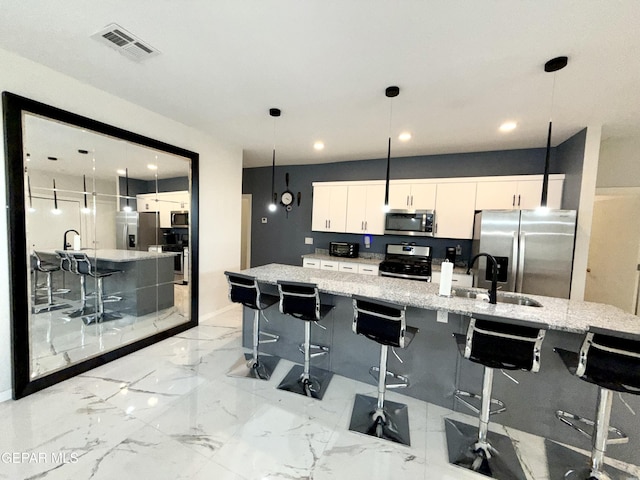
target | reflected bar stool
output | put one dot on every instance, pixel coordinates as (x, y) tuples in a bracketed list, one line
[(495, 344), (610, 360), (84, 267), (245, 290), (385, 324), (38, 265), (302, 301), (68, 264)]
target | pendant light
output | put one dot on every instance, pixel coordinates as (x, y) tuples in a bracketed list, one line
[(31, 209), (274, 112), (56, 210), (85, 209), (390, 92), (127, 207), (553, 66)]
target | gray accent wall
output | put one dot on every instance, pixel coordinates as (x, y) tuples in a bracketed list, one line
[(282, 238)]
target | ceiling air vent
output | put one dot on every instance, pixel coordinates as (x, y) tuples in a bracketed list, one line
[(125, 42)]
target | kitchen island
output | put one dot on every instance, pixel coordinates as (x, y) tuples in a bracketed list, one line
[(432, 361), (144, 280)]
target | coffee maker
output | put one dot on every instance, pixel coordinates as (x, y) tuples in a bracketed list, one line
[(450, 254)]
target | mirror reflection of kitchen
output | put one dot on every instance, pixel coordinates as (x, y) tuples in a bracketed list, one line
[(108, 241)]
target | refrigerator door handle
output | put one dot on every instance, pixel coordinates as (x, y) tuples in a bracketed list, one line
[(125, 231), (520, 277), (514, 263)]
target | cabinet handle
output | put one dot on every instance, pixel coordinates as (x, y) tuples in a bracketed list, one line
[(361, 225), (366, 225), (412, 200), (407, 200), (329, 223), (436, 229), (513, 202), (518, 200)]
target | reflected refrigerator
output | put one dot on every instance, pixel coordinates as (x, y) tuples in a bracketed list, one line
[(533, 248), (137, 230)]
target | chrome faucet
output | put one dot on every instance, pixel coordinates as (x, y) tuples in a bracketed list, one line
[(493, 293), (65, 244)]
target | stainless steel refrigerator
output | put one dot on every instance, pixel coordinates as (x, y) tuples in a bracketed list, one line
[(533, 248), (137, 230)]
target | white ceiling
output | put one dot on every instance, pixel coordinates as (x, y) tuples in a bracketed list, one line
[(463, 68), (45, 139)]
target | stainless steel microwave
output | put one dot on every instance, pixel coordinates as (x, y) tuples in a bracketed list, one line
[(410, 222), (180, 219)]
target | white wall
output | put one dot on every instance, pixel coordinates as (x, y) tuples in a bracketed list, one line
[(619, 164), (220, 179)]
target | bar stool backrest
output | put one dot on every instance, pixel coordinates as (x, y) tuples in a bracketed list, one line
[(504, 345), (300, 300), (82, 264), (381, 322), (243, 289), (610, 361), (66, 263)]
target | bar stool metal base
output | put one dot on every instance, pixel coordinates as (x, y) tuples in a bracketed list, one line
[(502, 462), (565, 463), (245, 367), (100, 317), (49, 308), (395, 428), (315, 387)]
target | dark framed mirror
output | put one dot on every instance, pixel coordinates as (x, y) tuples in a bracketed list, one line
[(103, 232)]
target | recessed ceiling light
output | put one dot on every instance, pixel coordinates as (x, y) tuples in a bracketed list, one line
[(404, 136), (318, 146), (152, 167), (121, 172), (508, 126)]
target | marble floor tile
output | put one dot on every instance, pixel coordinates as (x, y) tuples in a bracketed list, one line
[(169, 411)]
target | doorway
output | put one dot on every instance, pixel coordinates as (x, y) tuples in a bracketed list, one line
[(245, 232), (614, 251)]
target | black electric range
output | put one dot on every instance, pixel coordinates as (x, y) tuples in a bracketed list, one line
[(407, 261)]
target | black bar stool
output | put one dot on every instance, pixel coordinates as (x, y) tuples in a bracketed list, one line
[(495, 344), (385, 324), (302, 301), (245, 290), (85, 267), (48, 268), (68, 264), (610, 360)]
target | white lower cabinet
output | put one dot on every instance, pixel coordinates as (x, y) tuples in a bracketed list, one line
[(311, 263), (329, 265), (348, 267), (458, 279), (365, 269)]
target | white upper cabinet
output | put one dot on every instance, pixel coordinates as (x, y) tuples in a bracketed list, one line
[(365, 209), (412, 196), (455, 209), (329, 208), (496, 194), (165, 203), (357, 207)]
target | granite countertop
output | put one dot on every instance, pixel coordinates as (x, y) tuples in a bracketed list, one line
[(557, 313), (114, 255)]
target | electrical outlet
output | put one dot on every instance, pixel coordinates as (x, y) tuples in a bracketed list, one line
[(264, 219), (458, 250), (308, 240), (442, 316)]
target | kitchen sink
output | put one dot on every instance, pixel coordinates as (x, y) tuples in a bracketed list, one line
[(511, 298)]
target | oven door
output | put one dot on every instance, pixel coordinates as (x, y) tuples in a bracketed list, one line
[(410, 222)]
